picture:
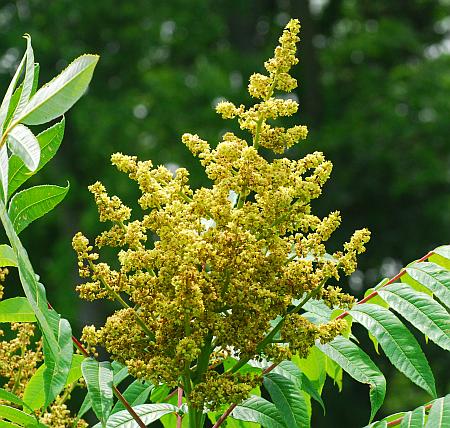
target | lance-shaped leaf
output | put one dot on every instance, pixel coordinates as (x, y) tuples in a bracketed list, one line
[(33, 396), (288, 399), (4, 107), (12, 398), (28, 80), (398, 343), (148, 413), (414, 419), (15, 415), (99, 381), (259, 410), (61, 93), (4, 170), (16, 309), (23, 143), (57, 366), (30, 204), (7, 256), (34, 291), (359, 366), (49, 142), (424, 313), (439, 416), (441, 256), (433, 277), (136, 394)]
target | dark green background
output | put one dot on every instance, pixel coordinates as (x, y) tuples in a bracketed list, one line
[(374, 92)]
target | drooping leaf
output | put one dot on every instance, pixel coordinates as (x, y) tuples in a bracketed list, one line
[(28, 80), (314, 367), (148, 413), (434, 277), (30, 204), (334, 371), (259, 410), (398, 343), (24, 144), (49, 142), (288, 399), (16, 309), (61, 93), (137, 393), (439, 416), (99, 381), (359, 366), (414, 418), (57, 366), (421, 311), (12, 398), (7, 256)]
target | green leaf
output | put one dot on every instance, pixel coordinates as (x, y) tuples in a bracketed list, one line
[(334, 371), (148, 413), (12, 398), (61, 93), (421, 311), (57, 366), (259, 410), (99, 381), (7, 256), (433, 277), (439, 416), (33, 396), (314, 367), (23, 143), (15, 415), (414, 418), (288, 399), (4, 107), (398, 343), (4, 170), (49, 142), (27, 85), (359, 366), (16, 309), (30, 204), (137, 393)]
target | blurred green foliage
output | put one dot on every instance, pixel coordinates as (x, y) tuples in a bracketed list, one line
[(375, 93)]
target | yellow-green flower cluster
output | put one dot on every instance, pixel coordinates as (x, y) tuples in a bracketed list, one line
[(203, 271)]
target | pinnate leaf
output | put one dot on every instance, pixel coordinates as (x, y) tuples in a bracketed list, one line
[(16, 309), (24, 144), (259, 410)]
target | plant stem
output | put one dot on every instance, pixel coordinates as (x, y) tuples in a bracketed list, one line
[(179, 403)]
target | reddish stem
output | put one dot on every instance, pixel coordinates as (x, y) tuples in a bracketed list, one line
[(398, 421), (343, 315), (180, 402)]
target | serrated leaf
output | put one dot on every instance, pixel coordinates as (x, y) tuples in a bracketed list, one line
[(49, 142), (314, 367), (259, 410), (414, 418), (424, 313), (148, 413), (57, 366), (16, 309), (288, 399), (136, 393), (433, 277), (334, 371), (7, 256), (24, 144), (439, 416), (359, 366), (398, 343), (30, 204), (61, 93), (99, 381)]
